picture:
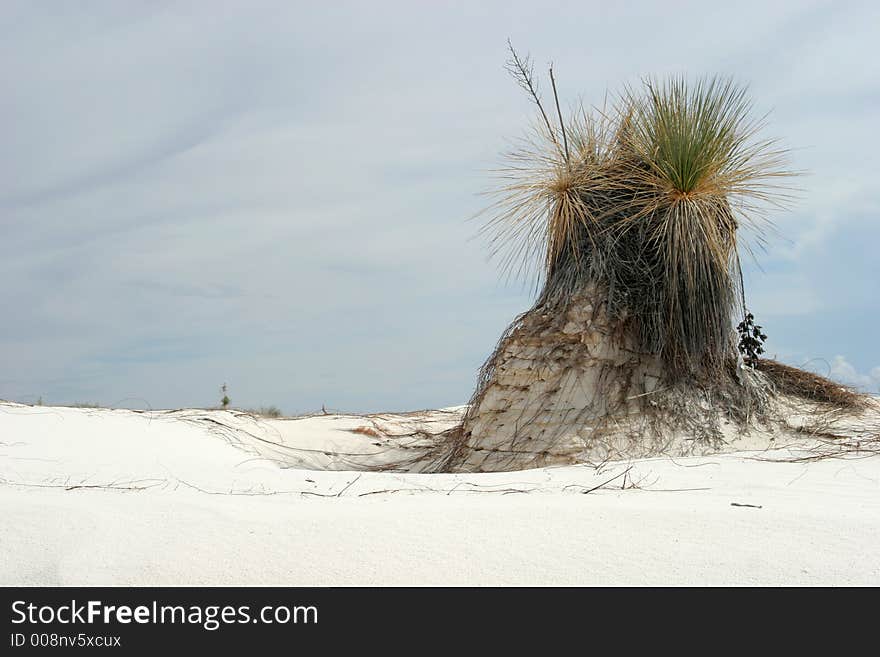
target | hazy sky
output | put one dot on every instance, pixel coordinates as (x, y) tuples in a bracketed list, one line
[(276, 195)]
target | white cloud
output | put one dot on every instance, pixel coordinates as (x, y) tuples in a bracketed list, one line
[(845, 372)]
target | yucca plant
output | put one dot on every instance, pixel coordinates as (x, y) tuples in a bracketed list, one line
[(647, 204), (632, 215)]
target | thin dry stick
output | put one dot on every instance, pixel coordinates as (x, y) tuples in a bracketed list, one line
[(349, 485), (559, 113), (604, 483), (522, 73)]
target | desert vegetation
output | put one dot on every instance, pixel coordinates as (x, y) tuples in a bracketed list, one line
[(265, 411), (632, 219)]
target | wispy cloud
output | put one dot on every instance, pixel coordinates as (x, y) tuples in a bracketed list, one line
[(845, 372)]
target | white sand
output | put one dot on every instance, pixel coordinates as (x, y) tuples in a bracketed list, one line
[(124, 498)]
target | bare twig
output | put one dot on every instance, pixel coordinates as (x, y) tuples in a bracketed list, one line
[(349, 485), (523, 72), (604, 483), (559, 114)]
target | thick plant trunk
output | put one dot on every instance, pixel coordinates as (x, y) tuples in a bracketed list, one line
[(567, 385)]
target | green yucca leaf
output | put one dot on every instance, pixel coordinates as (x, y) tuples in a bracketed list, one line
[(689, 134)]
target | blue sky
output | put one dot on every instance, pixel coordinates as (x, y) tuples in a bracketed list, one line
[(276, 195)]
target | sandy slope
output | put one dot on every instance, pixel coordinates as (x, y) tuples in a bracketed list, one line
[(195, 497)]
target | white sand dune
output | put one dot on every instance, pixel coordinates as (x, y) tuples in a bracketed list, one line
[(115, 497)]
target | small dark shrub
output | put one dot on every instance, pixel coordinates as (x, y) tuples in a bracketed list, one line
[(751, 340)]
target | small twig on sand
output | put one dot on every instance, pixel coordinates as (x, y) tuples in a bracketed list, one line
[(349, 485), (605, 483)]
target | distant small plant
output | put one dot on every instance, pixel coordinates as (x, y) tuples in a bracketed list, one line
[(751, 340), (265, 411), (224, 403)]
